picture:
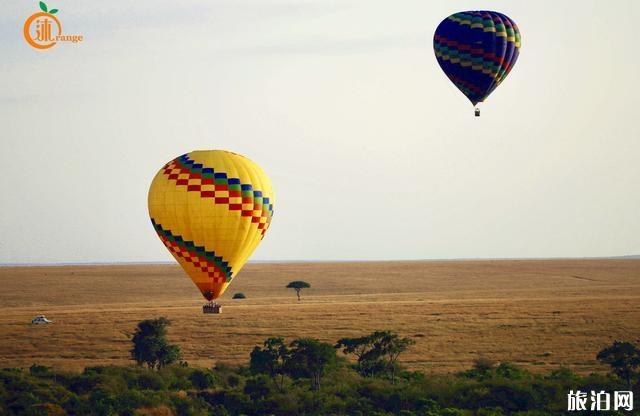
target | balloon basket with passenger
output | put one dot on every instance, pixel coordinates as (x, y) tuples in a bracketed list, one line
[(212, 307)]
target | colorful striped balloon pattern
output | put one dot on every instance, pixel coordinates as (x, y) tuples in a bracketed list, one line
[(211, 209), (477, 50)]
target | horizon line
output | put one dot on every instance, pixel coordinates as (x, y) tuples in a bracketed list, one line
[(168, 262)]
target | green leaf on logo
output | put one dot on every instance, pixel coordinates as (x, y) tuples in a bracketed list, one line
[(53, 11), (43, 6)]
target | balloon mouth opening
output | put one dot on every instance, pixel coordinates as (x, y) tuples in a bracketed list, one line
[(208, 295)]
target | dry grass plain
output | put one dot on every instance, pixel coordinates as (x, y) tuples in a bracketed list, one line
[(540, 314)]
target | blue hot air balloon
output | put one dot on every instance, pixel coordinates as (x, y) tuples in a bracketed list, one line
[(477, 50)]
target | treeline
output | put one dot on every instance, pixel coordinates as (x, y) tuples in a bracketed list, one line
[(303, 377)]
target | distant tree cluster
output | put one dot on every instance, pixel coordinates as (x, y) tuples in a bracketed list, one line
[(303, 358), (310, 358)]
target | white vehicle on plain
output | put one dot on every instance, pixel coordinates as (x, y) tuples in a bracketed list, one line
[(40, 319)]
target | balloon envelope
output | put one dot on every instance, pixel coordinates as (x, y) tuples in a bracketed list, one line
[(211, 209), (477, 50)]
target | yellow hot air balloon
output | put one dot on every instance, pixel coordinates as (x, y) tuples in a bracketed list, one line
[(211, 209)]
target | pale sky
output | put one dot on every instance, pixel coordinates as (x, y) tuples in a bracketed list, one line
[(373, 153)]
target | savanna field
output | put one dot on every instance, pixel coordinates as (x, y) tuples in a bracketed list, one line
[(537, 314)]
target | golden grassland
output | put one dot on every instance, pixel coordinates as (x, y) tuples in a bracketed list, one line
[(540, 314)]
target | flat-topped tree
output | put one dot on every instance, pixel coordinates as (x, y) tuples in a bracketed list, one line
[(377, 351), (298, 285)]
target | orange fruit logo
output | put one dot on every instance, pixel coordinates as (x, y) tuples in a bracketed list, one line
[(42, 30)]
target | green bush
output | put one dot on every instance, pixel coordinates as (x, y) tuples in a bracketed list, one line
[(150, 381), (202, 379), (232, 390)]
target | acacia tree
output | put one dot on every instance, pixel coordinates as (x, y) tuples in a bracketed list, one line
[(377, 351), (389, 346), (298, 285), (311, 358), (150, 345), (271, 359), (360, 347), (623, 358)]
